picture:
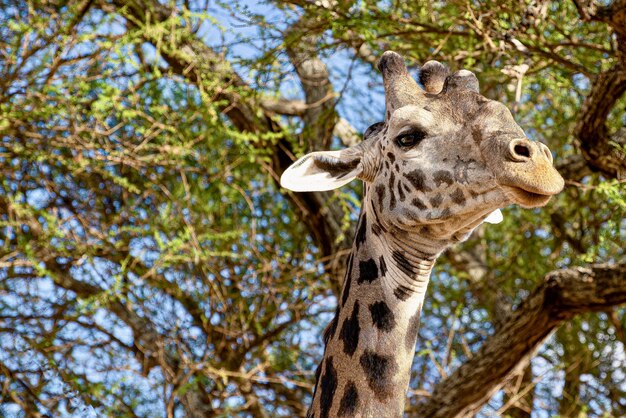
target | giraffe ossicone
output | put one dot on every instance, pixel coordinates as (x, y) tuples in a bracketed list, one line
[(444, 160)]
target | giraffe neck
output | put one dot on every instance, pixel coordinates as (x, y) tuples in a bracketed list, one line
[(370, 344)]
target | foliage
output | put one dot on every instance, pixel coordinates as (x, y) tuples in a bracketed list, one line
[(150, 264)]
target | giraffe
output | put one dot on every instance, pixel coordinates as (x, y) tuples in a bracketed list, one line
[(445, 160)]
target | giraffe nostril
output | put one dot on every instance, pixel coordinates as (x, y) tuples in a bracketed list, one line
[(522, 150), (546, 152)]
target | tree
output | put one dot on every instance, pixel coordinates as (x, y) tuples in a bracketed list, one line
[(151, 265)]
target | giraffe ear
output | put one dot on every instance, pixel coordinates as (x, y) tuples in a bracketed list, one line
[(319, 171), (494, 217)]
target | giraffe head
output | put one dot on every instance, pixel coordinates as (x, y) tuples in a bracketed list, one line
[(445, 158)]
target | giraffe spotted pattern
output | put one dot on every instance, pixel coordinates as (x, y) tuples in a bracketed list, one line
[(350, 331), (439, 164), (379, 370), (382, 316)]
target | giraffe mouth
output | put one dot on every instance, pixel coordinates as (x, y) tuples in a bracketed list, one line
[(527, 198)]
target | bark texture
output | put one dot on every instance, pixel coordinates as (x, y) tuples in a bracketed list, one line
[(594, 137), (563, 294)]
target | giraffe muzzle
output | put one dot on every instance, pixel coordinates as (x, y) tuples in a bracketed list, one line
[(528, 176), (522, 150)]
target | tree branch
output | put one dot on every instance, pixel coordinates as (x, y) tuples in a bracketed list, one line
[(562, 295), (195, 61), (150, 348), (284, 107), (26, 397), (573, 168), (346, 133), (591, 130), (301, 45)]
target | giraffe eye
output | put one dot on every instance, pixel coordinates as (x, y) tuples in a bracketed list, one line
[(410, 139)]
